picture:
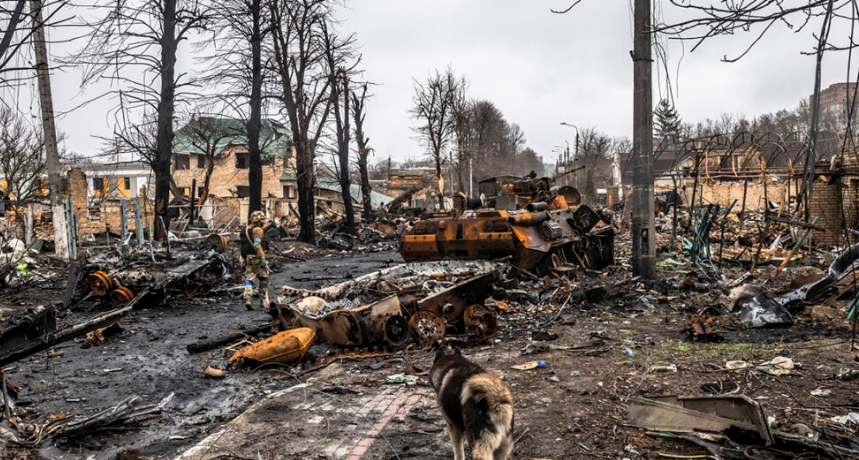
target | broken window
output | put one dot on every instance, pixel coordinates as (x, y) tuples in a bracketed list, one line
[(201, 162), (242, 161), (99, 186), (183, 162), (243, 191)]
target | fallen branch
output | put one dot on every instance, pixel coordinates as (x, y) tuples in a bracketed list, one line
[(37, 345)]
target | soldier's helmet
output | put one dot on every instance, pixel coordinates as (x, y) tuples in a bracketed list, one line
[(257, 217)]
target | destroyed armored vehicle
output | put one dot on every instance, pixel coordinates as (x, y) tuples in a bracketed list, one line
[(549, 233), (539, 240)]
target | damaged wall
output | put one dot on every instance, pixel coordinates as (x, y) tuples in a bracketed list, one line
[(828, 201), (90, 218), (99, 216)]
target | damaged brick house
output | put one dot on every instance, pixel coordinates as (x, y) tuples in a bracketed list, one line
[(227, 197)]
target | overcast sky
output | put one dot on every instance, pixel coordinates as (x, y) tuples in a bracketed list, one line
[(539, 69)]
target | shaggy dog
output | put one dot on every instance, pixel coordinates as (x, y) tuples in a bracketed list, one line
[(476, 404)]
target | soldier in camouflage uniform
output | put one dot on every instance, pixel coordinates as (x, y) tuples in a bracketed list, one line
[(253, 246)]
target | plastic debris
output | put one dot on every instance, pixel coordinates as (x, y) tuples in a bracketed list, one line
[(401, 378)]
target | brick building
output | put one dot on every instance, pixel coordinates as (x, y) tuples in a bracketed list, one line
[(121, 179), (229, 187), (834, 197), (99, 211), (835, 97)]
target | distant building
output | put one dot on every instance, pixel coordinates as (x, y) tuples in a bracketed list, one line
[(327, 195), (835, 98), (229, 186), (122, 179), (402, 179), (231, 161)]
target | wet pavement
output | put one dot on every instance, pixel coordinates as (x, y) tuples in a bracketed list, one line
[(149, 359)]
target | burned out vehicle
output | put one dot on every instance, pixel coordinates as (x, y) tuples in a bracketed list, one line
[(543, 233)]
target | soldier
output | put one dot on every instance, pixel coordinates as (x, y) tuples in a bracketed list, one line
[(254, 245)]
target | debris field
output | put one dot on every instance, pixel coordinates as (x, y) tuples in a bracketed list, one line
[(148, 352)]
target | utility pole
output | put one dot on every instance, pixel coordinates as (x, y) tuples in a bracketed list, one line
[(643, 232), (55, 181)]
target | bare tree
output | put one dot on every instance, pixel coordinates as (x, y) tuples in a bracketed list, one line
[(433, 107), (706, 20), (299, 61), (494, 146), (17, 27), (463, 131), (127, 41), (22, 161), (341, 64), (595, 149), (359, 114), (238, 66), (207, 135)]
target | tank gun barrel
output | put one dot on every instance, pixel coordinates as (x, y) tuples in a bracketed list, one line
[(560, 175)]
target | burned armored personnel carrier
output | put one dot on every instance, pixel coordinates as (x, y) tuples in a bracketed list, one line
[(524, 219)]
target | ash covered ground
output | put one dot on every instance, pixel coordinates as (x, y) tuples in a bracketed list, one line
[(609, 350)]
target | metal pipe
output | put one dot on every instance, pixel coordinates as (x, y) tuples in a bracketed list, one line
[(528, 219), (537, 206)]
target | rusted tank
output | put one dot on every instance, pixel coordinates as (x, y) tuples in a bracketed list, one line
[(549, 236)]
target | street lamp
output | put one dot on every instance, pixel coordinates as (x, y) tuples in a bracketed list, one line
[(563, 123)]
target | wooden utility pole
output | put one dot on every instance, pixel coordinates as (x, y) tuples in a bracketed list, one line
[(52, 152), (643, 233)]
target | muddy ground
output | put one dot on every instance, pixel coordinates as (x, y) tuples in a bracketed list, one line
[(148, 359), (571, 409)]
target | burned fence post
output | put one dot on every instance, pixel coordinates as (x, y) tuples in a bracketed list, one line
[(123, 219), (674, 216), (138, 221), (72, 228), (192, 207)]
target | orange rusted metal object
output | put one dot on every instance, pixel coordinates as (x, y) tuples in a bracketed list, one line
[(286, 347), (100, 283), (121, 296), (574, 234), (426, 327), (480, 323), (374, 323), (218, 243)]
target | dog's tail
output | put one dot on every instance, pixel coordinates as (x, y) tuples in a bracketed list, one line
[(499, 401)]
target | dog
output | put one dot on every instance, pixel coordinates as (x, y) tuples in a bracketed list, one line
[(476, 405)]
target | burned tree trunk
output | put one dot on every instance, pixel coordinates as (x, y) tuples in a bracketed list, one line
[(306, 206), (365, 182), (440, 182), (253, 126), (363, 150), (164, 140), (343, 139)]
